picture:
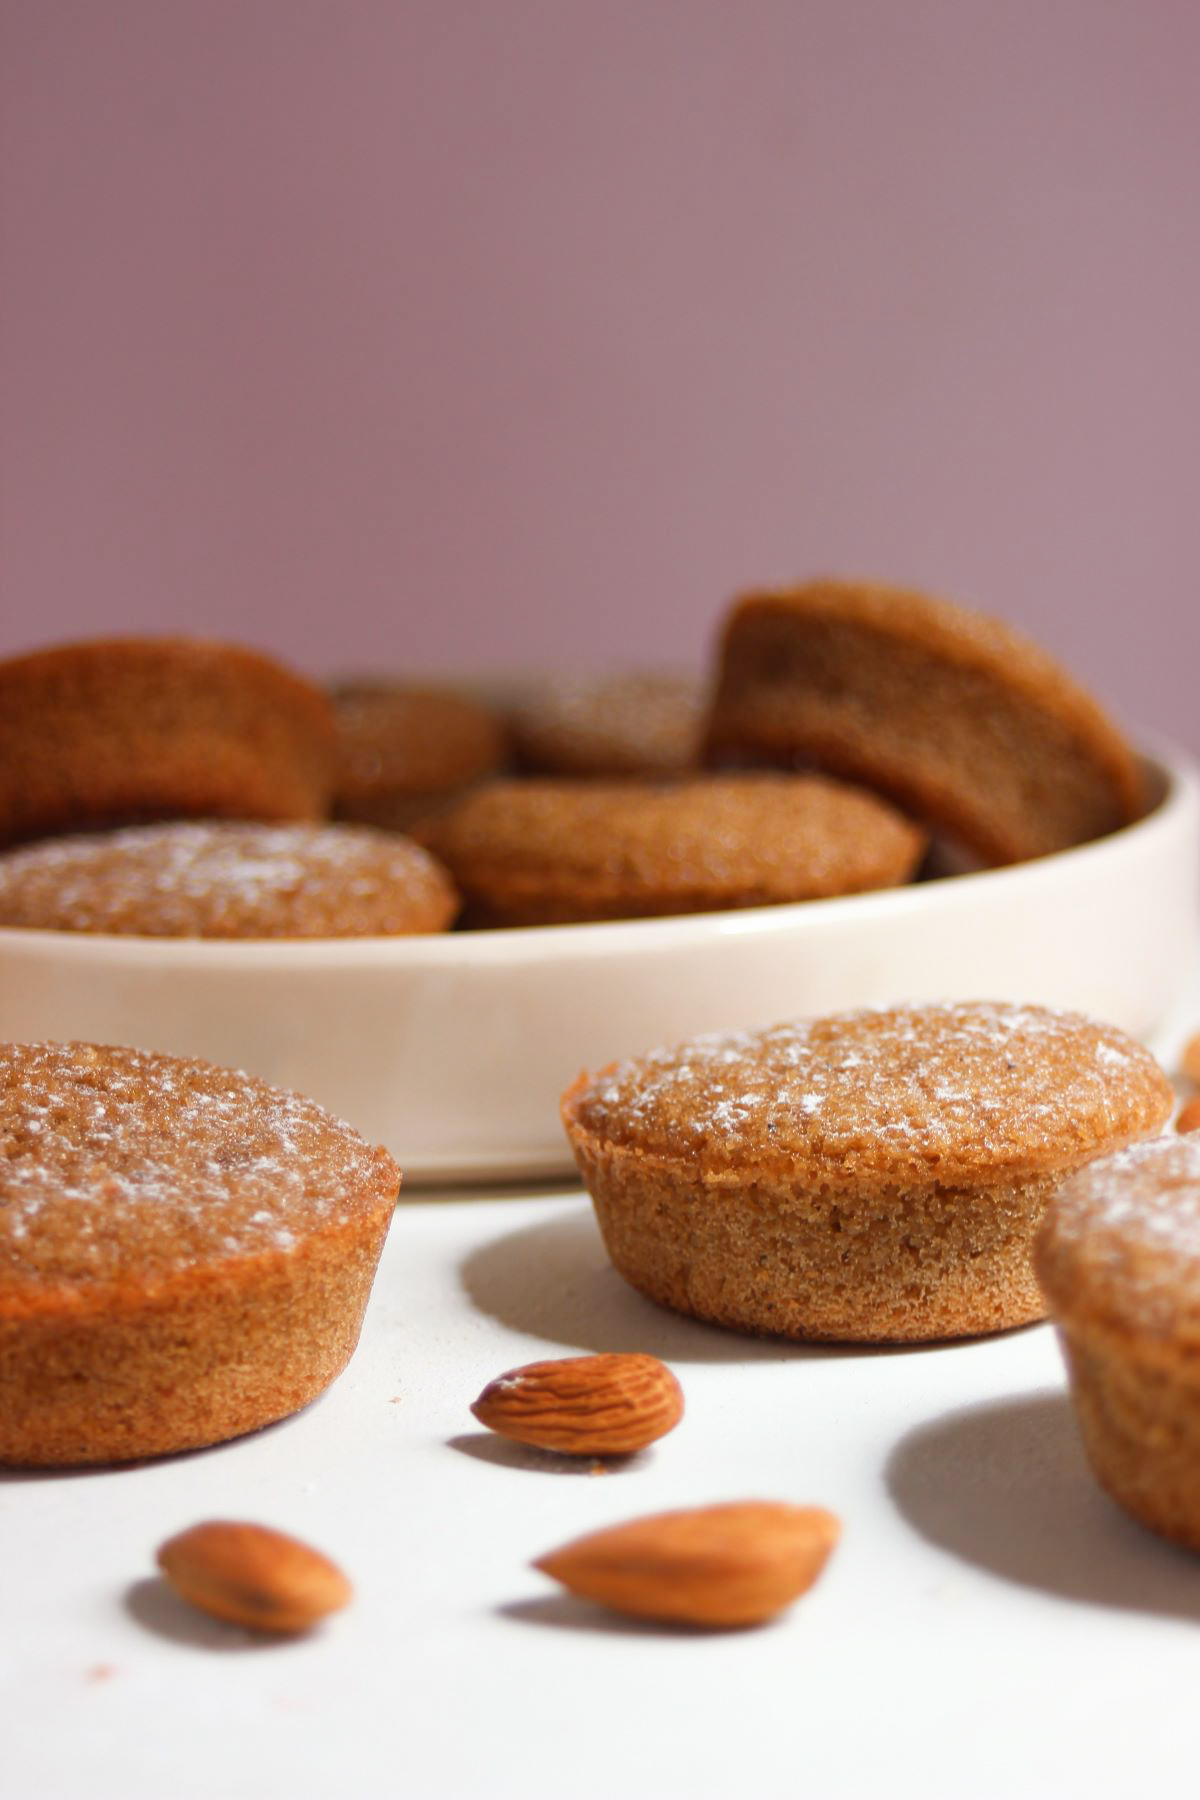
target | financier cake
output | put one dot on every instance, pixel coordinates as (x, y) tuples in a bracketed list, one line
[(127, 729), (405, 752), (544, 852), (646, 724), (956, 717), (225, 880), (1118, 1258), (185, 1252), (871, 1176)]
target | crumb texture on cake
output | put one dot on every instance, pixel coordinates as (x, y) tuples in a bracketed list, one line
[(1118, 1258), (867, 1177), (1121, 1244), (116, 1162), (227, 880), (186, 1254)]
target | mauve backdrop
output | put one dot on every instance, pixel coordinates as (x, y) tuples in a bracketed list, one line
[(425, 333)]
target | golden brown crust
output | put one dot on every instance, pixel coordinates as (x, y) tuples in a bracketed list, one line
[(645, 724), (227, 880), (872, 1176), (126, 729), (404, 752), (1139, 1420), (959, 718), (1118, 1259), (546, 852), (948, 1094), (185, 1252)]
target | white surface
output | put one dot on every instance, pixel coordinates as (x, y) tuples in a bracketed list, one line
[(453, 1050), (990, 1625)]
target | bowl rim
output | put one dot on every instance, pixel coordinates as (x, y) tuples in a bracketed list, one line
[(1171, 767)]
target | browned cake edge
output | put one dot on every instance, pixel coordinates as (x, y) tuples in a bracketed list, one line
[(129, 1371)]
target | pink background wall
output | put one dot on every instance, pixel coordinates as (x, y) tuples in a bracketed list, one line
[(472, 332)]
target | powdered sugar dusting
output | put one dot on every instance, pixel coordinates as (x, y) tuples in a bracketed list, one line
[(617, 724), (1124, 1235), (222, 879), (973, 1082), (113, 1159)]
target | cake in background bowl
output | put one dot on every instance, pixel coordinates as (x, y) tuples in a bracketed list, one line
[(225, 880), (958, 718), (406, 751), (637, 724), (543, 852), (121, 730)]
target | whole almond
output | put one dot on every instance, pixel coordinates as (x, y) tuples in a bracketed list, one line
[(736, 1564), (584, 1405), (1189, 1116), (1190, 1060), (253, 1576)]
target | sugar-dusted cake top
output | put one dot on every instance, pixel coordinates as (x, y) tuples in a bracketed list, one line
[(119, 1164), (225, 880), (948, 1093), (1121, 1243)]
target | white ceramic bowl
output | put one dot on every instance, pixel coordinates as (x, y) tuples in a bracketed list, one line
[(453, 1050)]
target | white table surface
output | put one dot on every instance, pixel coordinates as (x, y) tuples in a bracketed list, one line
[(990, 1625)]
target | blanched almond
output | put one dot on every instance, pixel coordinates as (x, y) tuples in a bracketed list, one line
[(729, 1565), (253, 1576), (584, 1405)]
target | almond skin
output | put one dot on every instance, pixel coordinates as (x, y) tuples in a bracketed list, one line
[(730, 1565), (584, 1405), (1190, 1060), (253, 1576), (1189, 1116)]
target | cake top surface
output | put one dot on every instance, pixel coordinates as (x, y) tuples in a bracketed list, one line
[(1121, 1241), (118, 1164), (948, 1094), (227, 880), (414, 740), (161, 650), (643, 723), (815, 834)]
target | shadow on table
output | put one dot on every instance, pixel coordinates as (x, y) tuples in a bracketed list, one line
[(53, 1472), (153, 1604), (553, 1280), (1005, 1486), (503, 1453), (563, 1612)]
